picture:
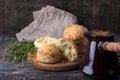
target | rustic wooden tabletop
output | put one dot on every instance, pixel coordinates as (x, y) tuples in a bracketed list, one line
[(12, 71)]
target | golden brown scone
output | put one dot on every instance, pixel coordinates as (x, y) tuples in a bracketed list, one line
[(75, 32), (69, 49), (49, 54)]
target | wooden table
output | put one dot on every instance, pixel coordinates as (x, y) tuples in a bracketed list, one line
[(12, 71)]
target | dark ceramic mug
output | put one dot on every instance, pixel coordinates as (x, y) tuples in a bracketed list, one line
[(102, 64)]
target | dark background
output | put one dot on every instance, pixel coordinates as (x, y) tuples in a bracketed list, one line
[(16, 14)]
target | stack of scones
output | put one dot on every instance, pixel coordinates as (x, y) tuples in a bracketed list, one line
[(73, 45)]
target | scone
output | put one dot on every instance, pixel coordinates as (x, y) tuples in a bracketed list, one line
[(44, 40), (49, 54), (75, 32), (69, 49)]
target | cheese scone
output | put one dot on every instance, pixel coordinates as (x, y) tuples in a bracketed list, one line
[(49, 54), (69, 49), (44, 40), (75, 32)]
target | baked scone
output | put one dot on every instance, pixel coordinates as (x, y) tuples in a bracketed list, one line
[(69, 49), (75, 32), (44, 40), (49, 54)]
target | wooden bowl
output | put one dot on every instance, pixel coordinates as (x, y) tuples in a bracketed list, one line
[(54, 67)]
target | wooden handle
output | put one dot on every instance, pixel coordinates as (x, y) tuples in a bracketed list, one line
[(111, 46)]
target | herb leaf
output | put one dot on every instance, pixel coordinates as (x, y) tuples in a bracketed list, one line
[(19, 51)]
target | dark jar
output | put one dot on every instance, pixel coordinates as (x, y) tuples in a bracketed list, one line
[(102, 64)]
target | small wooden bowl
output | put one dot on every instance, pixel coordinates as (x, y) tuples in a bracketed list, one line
[(54, 67)]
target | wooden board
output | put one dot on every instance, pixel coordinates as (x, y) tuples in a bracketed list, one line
[(54, 67)]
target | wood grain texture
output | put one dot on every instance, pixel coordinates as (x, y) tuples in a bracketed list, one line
[(54, 67)]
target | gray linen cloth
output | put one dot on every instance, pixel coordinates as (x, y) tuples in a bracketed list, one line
[(49, 21)]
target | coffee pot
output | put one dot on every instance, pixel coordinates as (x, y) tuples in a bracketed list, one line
[(102, 60)]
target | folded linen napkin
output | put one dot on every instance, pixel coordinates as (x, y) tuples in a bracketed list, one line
[(49, 21)]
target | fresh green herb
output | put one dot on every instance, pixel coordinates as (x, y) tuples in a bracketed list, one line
[(19, 51)]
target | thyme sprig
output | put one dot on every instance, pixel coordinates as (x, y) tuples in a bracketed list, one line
[(19, 51)]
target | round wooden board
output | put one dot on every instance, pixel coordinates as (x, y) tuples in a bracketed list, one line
[(54, 67)]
